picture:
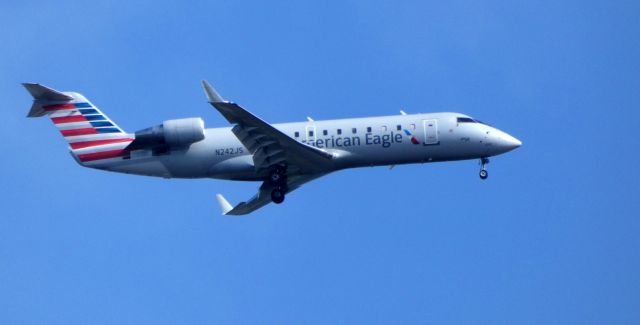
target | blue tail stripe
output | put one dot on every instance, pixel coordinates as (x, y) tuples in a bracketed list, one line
[(101, 123), (88, 111), (108, 130), (95, 118)]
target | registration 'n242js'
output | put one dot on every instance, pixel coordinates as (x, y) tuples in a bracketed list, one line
[(229, 151)]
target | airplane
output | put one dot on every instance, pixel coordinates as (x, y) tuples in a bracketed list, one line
[(281, 156)]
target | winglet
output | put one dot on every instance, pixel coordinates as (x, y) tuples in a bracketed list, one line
[(212, 94), (224, 204)]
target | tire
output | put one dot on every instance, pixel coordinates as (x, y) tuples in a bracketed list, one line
[(484, 174), (277, 196)]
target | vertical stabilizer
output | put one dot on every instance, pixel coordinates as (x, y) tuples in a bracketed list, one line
[(92, 136)]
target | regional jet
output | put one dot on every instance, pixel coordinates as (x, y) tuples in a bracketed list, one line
[(282, 157)]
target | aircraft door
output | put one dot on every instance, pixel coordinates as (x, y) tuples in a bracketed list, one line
[(310, 133), (430, 132)]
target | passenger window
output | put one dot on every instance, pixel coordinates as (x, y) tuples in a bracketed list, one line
[(324, 132), (412, 126), (368, 129), (310, 133), (354, 130), (339, 131), (297, 134), (398, 127)]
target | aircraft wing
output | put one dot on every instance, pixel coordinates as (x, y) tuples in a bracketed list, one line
[(263, 197), (268, 145)]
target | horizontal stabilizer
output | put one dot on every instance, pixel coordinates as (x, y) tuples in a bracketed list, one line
[(41, 92), (43, 95)]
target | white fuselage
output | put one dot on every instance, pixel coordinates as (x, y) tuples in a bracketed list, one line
[(282, 157), (357, 142)]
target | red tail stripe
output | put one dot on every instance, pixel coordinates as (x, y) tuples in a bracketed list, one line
[(70, 133), (85, 144), (102, 155), (58, 107), (68, 119)]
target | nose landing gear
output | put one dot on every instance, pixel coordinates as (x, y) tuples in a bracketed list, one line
[(483, 172)]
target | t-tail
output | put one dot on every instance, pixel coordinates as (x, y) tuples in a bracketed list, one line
[(93, 138)]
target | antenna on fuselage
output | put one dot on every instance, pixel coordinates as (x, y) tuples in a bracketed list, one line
[(310, 119), (402, 112)]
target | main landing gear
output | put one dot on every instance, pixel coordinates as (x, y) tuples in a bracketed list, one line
[(483, 172), (277, 195), (278, 179)]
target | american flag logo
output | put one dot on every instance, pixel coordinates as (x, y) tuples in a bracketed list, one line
[(91, 135), (413, 139)]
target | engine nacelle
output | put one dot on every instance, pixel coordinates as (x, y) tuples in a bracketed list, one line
[(172, 133), (184, 131)]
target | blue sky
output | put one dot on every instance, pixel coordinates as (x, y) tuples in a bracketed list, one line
[(551, 237)]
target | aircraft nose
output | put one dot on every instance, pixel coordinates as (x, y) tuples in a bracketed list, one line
[(508, 142)]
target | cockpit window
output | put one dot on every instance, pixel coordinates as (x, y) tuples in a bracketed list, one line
[(465, 120)]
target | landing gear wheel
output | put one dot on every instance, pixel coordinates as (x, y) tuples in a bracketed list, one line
[(483, 172), (277, 195)]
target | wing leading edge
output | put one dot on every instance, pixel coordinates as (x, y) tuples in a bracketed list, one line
[(268, 145)]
